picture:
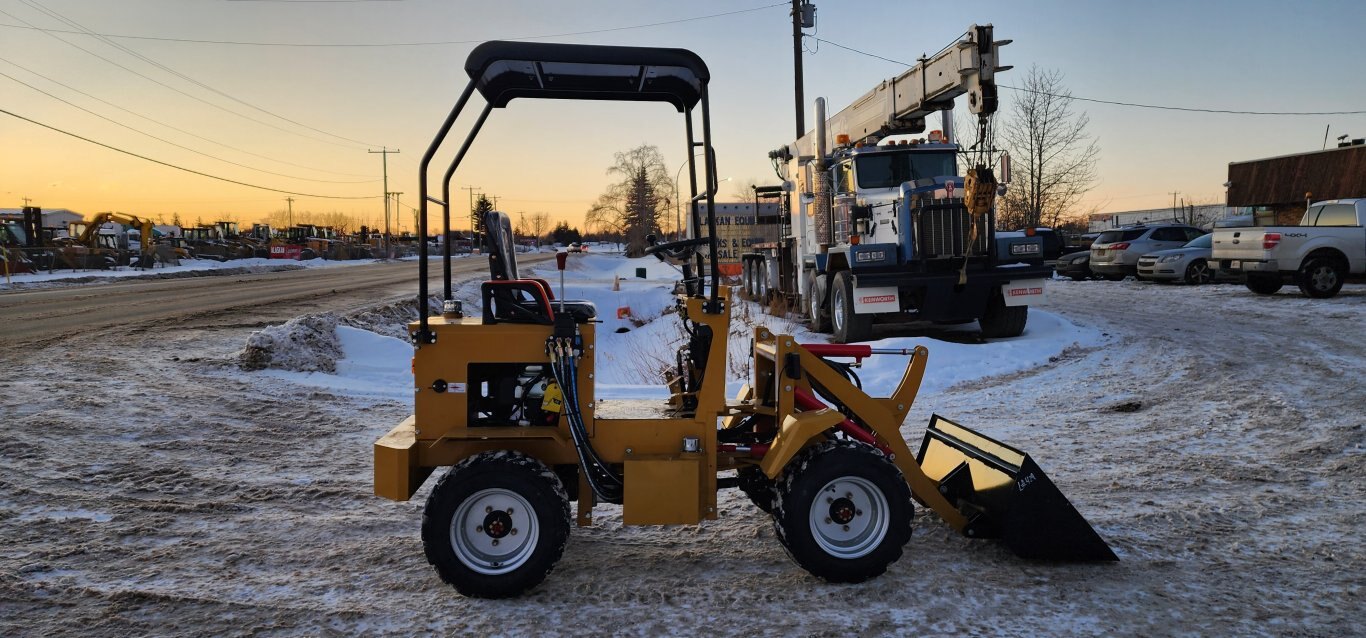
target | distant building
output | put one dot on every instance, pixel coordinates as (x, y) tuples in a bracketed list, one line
[(1275, 190), (52, 218), (1202, 216)]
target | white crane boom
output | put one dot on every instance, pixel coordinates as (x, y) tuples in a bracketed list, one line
[(900, 104)]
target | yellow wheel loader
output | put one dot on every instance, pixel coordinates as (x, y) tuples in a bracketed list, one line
[(505, 398)]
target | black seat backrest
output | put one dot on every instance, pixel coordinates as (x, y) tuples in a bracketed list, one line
[(498, 241)]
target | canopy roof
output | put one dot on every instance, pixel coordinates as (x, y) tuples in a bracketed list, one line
[(504, 70)]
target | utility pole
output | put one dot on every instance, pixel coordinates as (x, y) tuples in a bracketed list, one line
[(384, 154), (471, 189), (290, 200), (803, 15)]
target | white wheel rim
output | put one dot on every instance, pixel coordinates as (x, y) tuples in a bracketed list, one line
[(813, 303), (494, 531), (849, 517), (762, 280)]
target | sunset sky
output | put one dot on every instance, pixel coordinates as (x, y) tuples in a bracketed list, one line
[(301, 118)]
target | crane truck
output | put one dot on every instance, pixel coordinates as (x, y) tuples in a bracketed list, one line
[(878, 228)]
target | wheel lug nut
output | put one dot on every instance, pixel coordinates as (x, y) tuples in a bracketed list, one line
[(846, 528), (829, 500), (849, 495), (514, 531), (478, 529), (509, 511), (827, 520), (488, 509), (495, 542), (858, 512)]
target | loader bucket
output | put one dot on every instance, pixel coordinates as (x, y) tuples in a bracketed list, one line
[(1004, 494)]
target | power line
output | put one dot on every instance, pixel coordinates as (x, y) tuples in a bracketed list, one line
[(179, 168), (391, 44), (193, 97), (176, 73), (179, 146), (1111, 102), (180, 130)]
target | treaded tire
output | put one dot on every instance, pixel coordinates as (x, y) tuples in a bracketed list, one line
[(757, 487), (1001, 321), (494, 477), (808, 477), (817, 311), (848, 326), (1321, 277), (1197, 273), (1264, 284)]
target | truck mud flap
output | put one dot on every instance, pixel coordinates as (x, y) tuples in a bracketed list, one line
[(1004, 494)]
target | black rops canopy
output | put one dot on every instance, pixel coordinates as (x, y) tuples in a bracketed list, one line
[(504, 70)]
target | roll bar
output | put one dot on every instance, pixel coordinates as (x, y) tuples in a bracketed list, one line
[(504, 71)]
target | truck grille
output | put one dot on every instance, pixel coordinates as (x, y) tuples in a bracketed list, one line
[(944, 230)]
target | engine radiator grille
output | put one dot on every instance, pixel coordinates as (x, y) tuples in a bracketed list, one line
[(943, 231)]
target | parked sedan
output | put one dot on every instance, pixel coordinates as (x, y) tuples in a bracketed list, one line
[(1076, 265), (1115, 252), (1189, 263)]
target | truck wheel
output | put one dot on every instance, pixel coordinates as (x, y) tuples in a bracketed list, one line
[(817, 318), (748, 276), (1002, 321), (1198, 273), (761, 281), (1263, 284), (496, 524), (1321, 277), (757, 487), (848, 327), (843, 511)]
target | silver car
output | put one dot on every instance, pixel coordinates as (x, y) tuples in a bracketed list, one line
[(1115, 253), (1189, 263)]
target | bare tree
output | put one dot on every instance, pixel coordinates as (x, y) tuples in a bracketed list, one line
[(1052, 155), (633, 206), (540, 224)]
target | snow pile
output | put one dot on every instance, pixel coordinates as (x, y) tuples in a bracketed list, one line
[(370, 366), (302, 344)]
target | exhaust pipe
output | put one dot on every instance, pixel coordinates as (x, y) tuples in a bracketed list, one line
[(820, 178), (1004, 494)]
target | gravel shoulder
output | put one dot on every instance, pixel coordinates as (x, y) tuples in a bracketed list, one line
[(1216, 441)]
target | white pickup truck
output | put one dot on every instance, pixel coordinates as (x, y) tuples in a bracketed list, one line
[(1319, 254)]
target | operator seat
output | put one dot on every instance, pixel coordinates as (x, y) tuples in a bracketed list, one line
[(515, 301)]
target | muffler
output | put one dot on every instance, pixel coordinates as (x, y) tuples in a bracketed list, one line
[(1004, 494)]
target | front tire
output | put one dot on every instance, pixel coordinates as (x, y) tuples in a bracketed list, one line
[(496, 524), (1198, 274), (847, 325), (1264, 284), (1321, 277), (1001, 321), (843, 511)]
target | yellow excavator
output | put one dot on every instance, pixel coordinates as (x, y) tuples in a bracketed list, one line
[(504, 398), (87, 243)]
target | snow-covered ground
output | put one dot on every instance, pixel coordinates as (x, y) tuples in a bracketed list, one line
[(186, 266), (1214, 438)]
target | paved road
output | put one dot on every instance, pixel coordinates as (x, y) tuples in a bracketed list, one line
[(40, 315)]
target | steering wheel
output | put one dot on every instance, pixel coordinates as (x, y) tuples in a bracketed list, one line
[(681, 250)]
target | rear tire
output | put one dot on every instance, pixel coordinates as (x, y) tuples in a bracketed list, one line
[(1197, 273), (761, 281), (757, 486), (1078, 277), (843, 511), (1001, 321), (496, 524), (848, 326), (1264, 284), (1321, 277), (817, 317)]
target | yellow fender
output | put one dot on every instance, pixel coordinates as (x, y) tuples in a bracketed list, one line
[(796, 431)]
